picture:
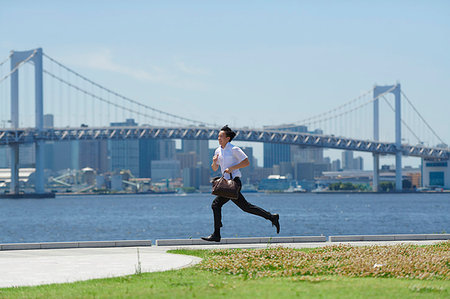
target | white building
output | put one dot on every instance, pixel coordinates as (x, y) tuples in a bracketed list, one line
[(436, 173)]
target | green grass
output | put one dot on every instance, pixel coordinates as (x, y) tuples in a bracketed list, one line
[(195, 282)]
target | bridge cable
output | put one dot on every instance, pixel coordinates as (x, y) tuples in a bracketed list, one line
[(6, 60), (403, 122), (105, 100), (335, 116), (123, 97), (309, 119), (421, 117)]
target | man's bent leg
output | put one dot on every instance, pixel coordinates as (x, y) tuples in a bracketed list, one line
[(242, 203)]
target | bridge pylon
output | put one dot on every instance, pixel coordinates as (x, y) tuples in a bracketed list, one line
[(17, 57), (396, 91)]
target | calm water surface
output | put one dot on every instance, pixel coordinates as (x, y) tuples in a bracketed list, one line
[(127, 217)]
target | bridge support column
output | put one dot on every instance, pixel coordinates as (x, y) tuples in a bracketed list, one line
[(39, 119), (14, 186), (376, 135), (377, 91), (14, 148), (398, 140), (376, 172), (16, 58)]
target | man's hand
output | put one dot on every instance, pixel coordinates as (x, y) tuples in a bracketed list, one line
[(228, 170), (214, 164)]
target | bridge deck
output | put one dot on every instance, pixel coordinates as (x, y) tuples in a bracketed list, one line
[(29, 135)]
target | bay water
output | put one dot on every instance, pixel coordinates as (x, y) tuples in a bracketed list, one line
[(170, 216)]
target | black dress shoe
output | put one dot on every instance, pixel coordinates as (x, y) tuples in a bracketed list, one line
[(212, 238), (275, 222)]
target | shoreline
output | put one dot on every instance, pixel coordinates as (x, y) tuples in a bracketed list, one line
[(54, 195)]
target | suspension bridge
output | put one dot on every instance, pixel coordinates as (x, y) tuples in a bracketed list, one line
[(85, 109)]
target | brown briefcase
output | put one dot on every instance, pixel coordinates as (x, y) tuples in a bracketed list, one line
[(225, 188)]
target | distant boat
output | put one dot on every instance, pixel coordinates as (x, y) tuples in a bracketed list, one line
[(296, 189), (320, 189), (299, 189)]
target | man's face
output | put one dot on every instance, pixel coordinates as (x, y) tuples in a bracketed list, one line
[(223, 139)]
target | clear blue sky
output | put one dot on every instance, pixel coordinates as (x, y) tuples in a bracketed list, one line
[(245, 63)]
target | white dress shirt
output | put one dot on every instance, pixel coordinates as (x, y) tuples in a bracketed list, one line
[(229, 156)]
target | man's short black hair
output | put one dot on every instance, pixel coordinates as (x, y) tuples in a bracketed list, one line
[(230, 133)]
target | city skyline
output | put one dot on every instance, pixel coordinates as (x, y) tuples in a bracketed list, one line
[(265, 57)]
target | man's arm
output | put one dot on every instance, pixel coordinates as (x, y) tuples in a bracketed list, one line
[(242, 164)]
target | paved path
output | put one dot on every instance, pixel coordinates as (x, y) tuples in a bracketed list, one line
[(46, 266), (36, 267)]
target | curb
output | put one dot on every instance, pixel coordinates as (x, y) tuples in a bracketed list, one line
[(407, 237), (81, 244), (257, 240)]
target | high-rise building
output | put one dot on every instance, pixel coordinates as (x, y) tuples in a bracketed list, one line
[(195, 177), (94, 154), (350, 163), (149, 150), (59, 155), (247, 172), (347, 160), (167, 149), (336, 165), (124, 153), (137, 155), (165, 169), (358, 163), (278, 153), (187, 160), (65, 155), (200, 147)]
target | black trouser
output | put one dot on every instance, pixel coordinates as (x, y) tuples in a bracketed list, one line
[(241, 202)]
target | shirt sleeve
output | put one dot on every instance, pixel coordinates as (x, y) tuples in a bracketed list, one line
[(239, 154)]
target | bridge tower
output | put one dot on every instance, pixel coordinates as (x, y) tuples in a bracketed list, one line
[(394, 89), (16, 58)]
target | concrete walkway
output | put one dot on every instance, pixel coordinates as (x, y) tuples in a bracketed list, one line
[(46, 266)]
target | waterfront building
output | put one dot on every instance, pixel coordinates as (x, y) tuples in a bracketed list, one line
[(436, 173), (309, 170), (275, 183), (259, 173), (365, 177)]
